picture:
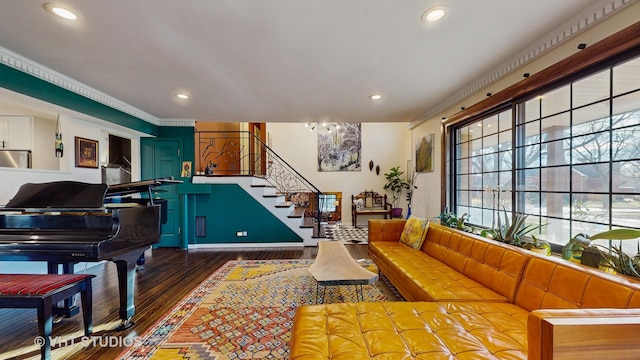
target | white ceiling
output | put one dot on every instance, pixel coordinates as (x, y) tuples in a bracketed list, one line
[(280, 60)]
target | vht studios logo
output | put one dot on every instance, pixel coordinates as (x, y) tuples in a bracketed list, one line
[(89, 341)]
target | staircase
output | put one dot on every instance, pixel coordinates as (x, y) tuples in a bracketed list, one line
[(263, 174), (267, 195)]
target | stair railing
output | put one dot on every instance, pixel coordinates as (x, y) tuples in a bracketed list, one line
[(242, 153)]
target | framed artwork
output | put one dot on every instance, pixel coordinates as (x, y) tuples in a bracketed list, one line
[(86, 153), (186, 169), (424, 154), (339, 147)]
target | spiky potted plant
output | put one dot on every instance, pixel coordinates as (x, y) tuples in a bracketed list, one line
[(512, 232)]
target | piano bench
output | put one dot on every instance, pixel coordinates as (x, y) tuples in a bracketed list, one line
[(42, 291)]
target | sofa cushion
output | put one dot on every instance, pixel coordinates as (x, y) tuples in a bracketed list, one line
[(414, 232), (420, 330), (385, 230), (497, 266), (552, 283), (420, 277)]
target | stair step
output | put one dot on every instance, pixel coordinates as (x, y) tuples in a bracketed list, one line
[(284, 205), (298, 213), (307, 223), (271, 195), (262, 186)]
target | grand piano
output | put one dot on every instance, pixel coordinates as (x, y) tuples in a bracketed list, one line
[(67, 222)]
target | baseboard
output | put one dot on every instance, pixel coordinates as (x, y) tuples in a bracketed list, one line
[(244, 245)]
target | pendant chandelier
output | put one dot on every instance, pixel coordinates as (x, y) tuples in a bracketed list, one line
[(323, 126)]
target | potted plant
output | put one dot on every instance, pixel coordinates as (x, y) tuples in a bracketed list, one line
[(447, 218), (611, 259), (538, 246), (450, 219), (395, 183), (512, 232)]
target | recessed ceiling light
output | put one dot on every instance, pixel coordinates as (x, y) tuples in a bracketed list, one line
[(182, 96), (434, 14), (61, 11), (375, 97)]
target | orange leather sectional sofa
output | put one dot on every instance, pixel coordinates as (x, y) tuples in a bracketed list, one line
[(473, 298)]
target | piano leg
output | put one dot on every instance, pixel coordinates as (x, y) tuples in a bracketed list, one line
[(126, 266), (140, 262), (69, 309)]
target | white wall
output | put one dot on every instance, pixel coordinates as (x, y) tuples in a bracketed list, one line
[(426, 198), (387, 144), (43, 156)]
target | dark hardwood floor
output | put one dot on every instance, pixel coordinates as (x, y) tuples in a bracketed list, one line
[(168, 276)]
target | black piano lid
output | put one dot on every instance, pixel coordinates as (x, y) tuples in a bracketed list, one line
[(136, 187), (59, 194)]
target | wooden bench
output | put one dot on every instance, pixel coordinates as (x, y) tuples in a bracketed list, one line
[(42, 291), (369, 203)]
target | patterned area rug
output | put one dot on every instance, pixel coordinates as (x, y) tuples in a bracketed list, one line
[(244, 310), (347, 234)]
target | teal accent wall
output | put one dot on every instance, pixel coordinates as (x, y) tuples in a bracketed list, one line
[(21, 82), (228, 209), (185, 136), (146, 158), (183, 133)]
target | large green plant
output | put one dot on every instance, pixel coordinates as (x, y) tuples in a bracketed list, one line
[(612, 257), (395, 183), (512, 232)]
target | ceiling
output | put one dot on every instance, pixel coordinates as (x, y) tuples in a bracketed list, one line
[(280, 60)]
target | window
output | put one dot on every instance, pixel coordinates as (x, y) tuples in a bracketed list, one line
[(483, 167), (569, 158)]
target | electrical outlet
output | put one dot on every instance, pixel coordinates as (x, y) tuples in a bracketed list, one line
[(244, 233), (241, 233)]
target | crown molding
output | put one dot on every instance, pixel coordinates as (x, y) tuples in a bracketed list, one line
[(586, 19), (19, 62), (177, 122)]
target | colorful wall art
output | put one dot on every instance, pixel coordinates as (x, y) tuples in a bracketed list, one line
[(424, 154), (339, 147)]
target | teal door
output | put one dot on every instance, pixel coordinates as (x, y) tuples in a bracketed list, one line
[(167, 163)]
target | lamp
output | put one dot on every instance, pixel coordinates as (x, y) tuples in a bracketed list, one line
[(323, 126)]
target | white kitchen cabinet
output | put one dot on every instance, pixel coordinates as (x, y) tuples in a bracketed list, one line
[(16, 132)]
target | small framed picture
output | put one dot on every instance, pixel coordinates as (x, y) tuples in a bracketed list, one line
[(186, 169), (86, 153)]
